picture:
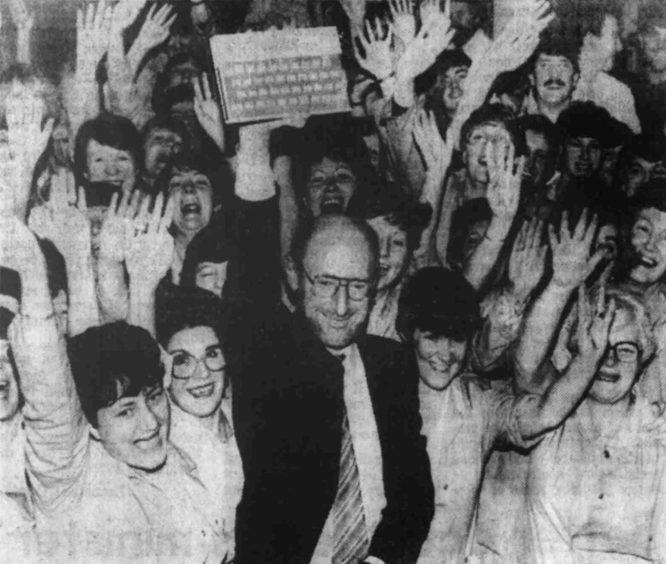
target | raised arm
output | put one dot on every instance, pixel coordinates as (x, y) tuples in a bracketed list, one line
[(571, 264), (208, 112), (154, 31), (55, 427), (563, 394), (148, 255), (503, 196), (64, 221), (24, 21)]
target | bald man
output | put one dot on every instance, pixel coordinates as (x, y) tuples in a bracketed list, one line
[(327, 418)]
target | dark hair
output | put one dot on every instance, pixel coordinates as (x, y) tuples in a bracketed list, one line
[(651, 14), (542, 125), (555, 42), (494, 113), (111, 362), (584, 119), (651, 148), (401, 210), (469, 213), (193, 163), (211, 244), (652, 194), (186, 308), (161, 98), (110, 130), (589, 17), (166, 122), (308, 229), (438, 301)]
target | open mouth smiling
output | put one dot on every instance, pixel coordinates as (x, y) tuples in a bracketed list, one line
[(204, 391)]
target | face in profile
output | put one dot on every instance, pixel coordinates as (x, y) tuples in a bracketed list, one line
[(135, 429), (440, 359), (538, 153), (393, 251), (608, 44), (653, 41), (330, 186), (211, 276), (197, 378), (582, 156), (9, 391), (620, 364), (648, 245), (193, 199), (108, 164), (554, 79), (336, 285)]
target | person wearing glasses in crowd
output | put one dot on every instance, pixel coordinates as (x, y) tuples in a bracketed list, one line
[(198, 388), (326, 418)]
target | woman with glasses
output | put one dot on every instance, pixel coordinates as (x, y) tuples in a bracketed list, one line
[(198, 390), (595, 491)]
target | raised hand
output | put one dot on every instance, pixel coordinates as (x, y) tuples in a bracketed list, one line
[(23, 18), (156, 26), (404, 22), (593, 329), (377, 59), (528, 258), (433, 37), (124, 14), (355, 11), (429, 9), (117, 221), (92, 33), (64, 220), (149, 249), (208, 111), (572, 262), (517, 41), (435, 151), (503, 191)]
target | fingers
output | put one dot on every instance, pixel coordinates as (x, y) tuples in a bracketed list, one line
[(565, 234), (593, 261), (81, 202), (156, 215), (167, 217)]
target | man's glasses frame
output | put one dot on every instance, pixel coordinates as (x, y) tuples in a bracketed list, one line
[(326, 286)]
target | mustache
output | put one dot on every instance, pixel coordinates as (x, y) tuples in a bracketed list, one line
[(554, 82)]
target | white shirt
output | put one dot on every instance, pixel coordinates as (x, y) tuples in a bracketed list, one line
[(367, 450)]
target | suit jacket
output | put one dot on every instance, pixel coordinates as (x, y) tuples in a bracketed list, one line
[(288, 409)]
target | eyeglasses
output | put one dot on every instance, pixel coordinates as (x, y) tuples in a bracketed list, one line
[(624, 351), (184, 364), (325, 286)]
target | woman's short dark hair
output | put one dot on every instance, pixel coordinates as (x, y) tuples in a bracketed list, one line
[(438, 301), (211, 244), (110, 130), (402, 210), (111, 362), (494, 113), (651, 194), (584, 119), (471, 212)]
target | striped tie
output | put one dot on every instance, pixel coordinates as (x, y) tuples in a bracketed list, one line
[(351, 534)]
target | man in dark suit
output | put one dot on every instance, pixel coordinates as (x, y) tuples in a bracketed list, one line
[(327, 418)]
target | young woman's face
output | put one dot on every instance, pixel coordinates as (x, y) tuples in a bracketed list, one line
[(621, 362), (211, 276), (107, 164), (197, 378), (648, 244), (439, 359), (393, 251), (330, 186), (9, 391), (135, 429)]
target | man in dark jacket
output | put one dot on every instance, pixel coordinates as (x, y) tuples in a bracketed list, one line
[(327, 418)]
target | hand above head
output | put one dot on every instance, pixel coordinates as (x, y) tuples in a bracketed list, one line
[(23, 18), (436, 151), (149, 247), (504, 179), (404, 21), (355, 11), (208, 111), (528, 258), (429, 9), (64, 220), (92, 33), (124, 14), (117, 222), (376, 43), (518, 39), (572, 263), (156, 26), (433, 37), (593, 328)]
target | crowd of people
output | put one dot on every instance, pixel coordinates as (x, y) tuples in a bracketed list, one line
[(431, 329)]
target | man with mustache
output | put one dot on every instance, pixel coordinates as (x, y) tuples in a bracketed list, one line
[(554, 76)]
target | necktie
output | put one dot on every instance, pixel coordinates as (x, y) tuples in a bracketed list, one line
[(351, 533)]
